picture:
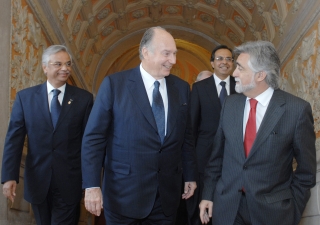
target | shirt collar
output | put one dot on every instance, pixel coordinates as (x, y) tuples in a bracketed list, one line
[(50, 88), (264, 97), (149, 80), (217, 80)]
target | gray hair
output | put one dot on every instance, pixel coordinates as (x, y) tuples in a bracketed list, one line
[(263, 57), (51, 50), (146, 40)]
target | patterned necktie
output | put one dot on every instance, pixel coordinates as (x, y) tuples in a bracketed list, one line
[(55, 107), (223, 92), (251, 128), (158, 110)]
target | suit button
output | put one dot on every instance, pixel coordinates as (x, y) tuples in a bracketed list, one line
[(160, 150), (159, 170), (245, 167)]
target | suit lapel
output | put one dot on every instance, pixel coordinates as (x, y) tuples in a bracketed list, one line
[(138, 92), (211, 90), (273, 114), (68, 98), (173, 104), (237, 123), (41, 99)]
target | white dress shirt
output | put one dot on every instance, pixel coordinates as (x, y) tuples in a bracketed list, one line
[(217, 81), (263, 102), (148, 81)]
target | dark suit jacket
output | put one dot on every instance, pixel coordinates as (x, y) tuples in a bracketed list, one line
[(205, 110), (275, 194), (50, 150), (122, 126)]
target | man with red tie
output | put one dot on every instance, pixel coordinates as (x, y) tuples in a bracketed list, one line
[(249, 177)]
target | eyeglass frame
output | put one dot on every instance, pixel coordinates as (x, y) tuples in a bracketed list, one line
[(220, 59), (55, 64)]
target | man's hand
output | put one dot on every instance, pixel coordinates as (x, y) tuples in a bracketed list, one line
[(189, 188), (93, 200), (205, 211), (9, 189)]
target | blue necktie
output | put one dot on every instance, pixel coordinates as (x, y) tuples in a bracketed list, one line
[(55, 107), (223, 92), (158, 110)]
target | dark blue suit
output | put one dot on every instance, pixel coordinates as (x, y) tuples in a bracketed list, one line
[(50, 151), (122, 133)]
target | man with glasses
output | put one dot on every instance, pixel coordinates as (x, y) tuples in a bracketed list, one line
[(53, 116), (207, 97)]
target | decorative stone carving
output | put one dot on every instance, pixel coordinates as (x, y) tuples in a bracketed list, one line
[(68, 6), (233, 37), (275, 17), (211, 2), (239, 21), (138, 14), (249, 4), (107, 31), (83, 44), (90, 18), (103, 14), (252, 27), (296, 5), (60, 16), (260, 6), (281, 29), (308, 46), (206, 18), (172, 9), (76, 27), (222, 18), (34, 34), (264, 35)]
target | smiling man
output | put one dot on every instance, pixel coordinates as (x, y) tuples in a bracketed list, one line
[(138, 131), (207, 97), (249, 177), (53, 116)]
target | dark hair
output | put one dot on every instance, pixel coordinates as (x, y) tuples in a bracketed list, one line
[(218, 48)]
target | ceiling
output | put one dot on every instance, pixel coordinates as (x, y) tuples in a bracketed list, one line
[(104, 35)]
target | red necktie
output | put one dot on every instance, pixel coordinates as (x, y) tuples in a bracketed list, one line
[(251, 128)]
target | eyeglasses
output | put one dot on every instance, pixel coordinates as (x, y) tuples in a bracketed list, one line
[(220, 59), (59, 64)]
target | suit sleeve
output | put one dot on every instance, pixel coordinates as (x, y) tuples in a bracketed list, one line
[(195, 112), (14, 143), (188, 155), (214, 166), (305, 153), (95, 136)]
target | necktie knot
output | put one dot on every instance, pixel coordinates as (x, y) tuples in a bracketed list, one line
[(223, 84), (253, 103), (156, 85), (56, 92)]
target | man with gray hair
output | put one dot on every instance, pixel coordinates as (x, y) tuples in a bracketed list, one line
[(53, 116), (139, 131), (203, 75), (249, 177)]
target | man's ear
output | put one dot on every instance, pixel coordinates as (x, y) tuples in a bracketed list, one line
[(262, 75), (44, 67), (145, 52)]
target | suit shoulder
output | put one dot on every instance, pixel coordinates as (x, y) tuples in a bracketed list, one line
[(177, 80), (30, 89), (290, 98)]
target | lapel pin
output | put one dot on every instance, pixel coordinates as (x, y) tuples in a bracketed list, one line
[(69, 102)]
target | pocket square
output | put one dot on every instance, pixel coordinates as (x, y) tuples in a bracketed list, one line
[(184, 104)]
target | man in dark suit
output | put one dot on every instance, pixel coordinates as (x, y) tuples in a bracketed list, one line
[(52, 179), (144, 149), (205, 107), (249, 178)]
